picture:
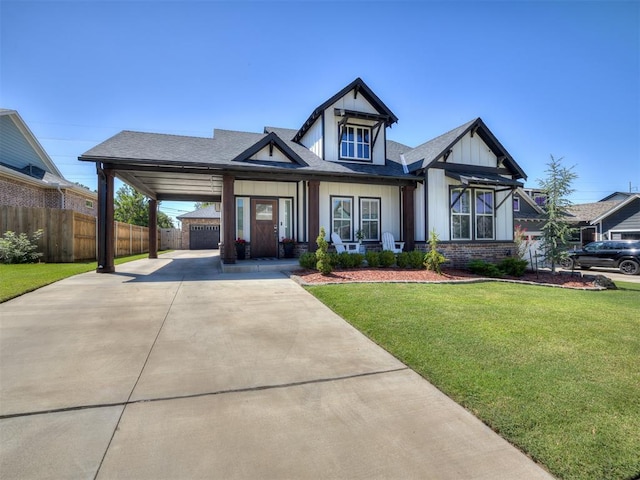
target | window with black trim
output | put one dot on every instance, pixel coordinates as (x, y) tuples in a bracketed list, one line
[(370, 218), (516, 204), (479, 225), (355, 143), (342, 217)]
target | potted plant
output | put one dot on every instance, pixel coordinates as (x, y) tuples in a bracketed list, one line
[(241, 245), (288, 244), (360, 236)]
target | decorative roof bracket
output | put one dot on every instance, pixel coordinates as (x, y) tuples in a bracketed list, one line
[(446, 154)]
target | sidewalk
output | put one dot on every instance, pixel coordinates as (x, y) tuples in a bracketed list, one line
[(170, 369)]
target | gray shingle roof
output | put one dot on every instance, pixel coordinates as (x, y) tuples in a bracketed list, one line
[(424, 154), (586, 212), (205, 212)]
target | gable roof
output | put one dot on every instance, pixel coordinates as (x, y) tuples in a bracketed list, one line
[(360, 88), (429, 152), (631, 198), (588, 212), (205, 212), (19, 148)]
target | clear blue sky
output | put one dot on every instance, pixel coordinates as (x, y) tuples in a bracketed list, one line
[(547, 77)]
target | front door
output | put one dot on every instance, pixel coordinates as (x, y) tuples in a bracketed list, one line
[(264, 227)]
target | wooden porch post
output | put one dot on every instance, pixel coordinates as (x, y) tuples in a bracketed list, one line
[(314, 214), (228, 218), (408, 217), (105, 220), (153, 228)]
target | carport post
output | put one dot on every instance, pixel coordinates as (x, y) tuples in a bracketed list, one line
[(228, 219), (153, 228), (314, 214), (408, 216), (105, 220)]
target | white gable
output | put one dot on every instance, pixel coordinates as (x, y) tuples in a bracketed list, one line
[(471, 150), (271, 154)]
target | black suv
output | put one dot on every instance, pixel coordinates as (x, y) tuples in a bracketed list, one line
[(622, 254)]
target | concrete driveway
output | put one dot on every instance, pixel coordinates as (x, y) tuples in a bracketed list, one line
[(170, 369)]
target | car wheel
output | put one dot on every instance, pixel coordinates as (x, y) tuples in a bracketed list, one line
[(566, 263), (629, 267)]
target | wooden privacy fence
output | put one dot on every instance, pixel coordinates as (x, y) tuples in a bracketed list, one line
[(70, 236)]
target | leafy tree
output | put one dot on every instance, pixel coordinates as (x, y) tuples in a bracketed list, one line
[(199, 205), (19, 248), (130, 206), (556, 232)]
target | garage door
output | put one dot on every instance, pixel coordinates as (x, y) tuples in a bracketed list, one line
[(204, 237)]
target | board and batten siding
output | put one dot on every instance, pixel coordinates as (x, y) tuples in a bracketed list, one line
[(438, 188), (275, 155), (472, 151), (331, 121), (313, 138), (389, 204)]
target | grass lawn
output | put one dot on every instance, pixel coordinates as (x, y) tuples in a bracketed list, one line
[(16, 280), (554, 371)]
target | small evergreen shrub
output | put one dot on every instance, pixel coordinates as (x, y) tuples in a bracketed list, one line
[(387, 258), (19, 248), (356, 260), (323, 263), (416, 259), (513, 266), (486, 269), (308, 260), (343, 260), (372, 258), (433, 259), (403, 260)]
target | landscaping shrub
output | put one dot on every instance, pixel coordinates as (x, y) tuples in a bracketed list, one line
[(308, 260), (433, 259), (372, 258), (323, 263), (344, 260), (403, 260), (416, 259), (387, 258), (356, 260), (513, 266), (19, 248), (486, 269)]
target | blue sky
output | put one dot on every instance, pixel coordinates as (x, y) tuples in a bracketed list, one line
[(547, 77)]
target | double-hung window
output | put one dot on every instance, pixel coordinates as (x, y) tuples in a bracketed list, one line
[(355, 143), (370, 218), (484, 214), (460, 214), (342, 217)]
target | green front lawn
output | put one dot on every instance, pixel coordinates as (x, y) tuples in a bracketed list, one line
[(554, 371), (16, 280)]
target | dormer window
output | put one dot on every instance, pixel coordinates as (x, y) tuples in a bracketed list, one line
[(355, 143)]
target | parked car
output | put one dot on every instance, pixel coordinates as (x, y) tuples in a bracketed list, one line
[(621, 254)]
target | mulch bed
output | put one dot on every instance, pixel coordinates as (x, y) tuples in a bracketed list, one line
[(398, 275)]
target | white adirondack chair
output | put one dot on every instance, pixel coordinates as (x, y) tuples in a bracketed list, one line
[(340, 246), (388, 243)]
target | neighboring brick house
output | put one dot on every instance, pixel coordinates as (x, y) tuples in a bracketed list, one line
[(201, 228), (28, 176)]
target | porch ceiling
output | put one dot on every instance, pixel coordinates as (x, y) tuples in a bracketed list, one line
[(174, 185)]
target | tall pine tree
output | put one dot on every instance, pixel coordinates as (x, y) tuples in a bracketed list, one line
[(557, 231)]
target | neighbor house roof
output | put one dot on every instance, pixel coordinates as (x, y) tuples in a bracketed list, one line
[(587, 212), (209, 211), (614, 208), (19, 148)]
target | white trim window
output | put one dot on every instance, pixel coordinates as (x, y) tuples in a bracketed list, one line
[(484, 214), (516, 203), (342, 217), (355, 143), (370, 218), (460, 214)]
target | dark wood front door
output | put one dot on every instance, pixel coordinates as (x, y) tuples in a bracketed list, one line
[(264, 228)]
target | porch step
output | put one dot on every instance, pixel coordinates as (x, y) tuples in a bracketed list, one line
[(261, 265)]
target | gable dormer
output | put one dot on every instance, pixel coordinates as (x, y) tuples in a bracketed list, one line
[(349, 127)]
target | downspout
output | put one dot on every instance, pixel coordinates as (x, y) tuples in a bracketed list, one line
[(57, 185)]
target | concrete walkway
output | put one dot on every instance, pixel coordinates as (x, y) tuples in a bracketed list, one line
[(169, 369)]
